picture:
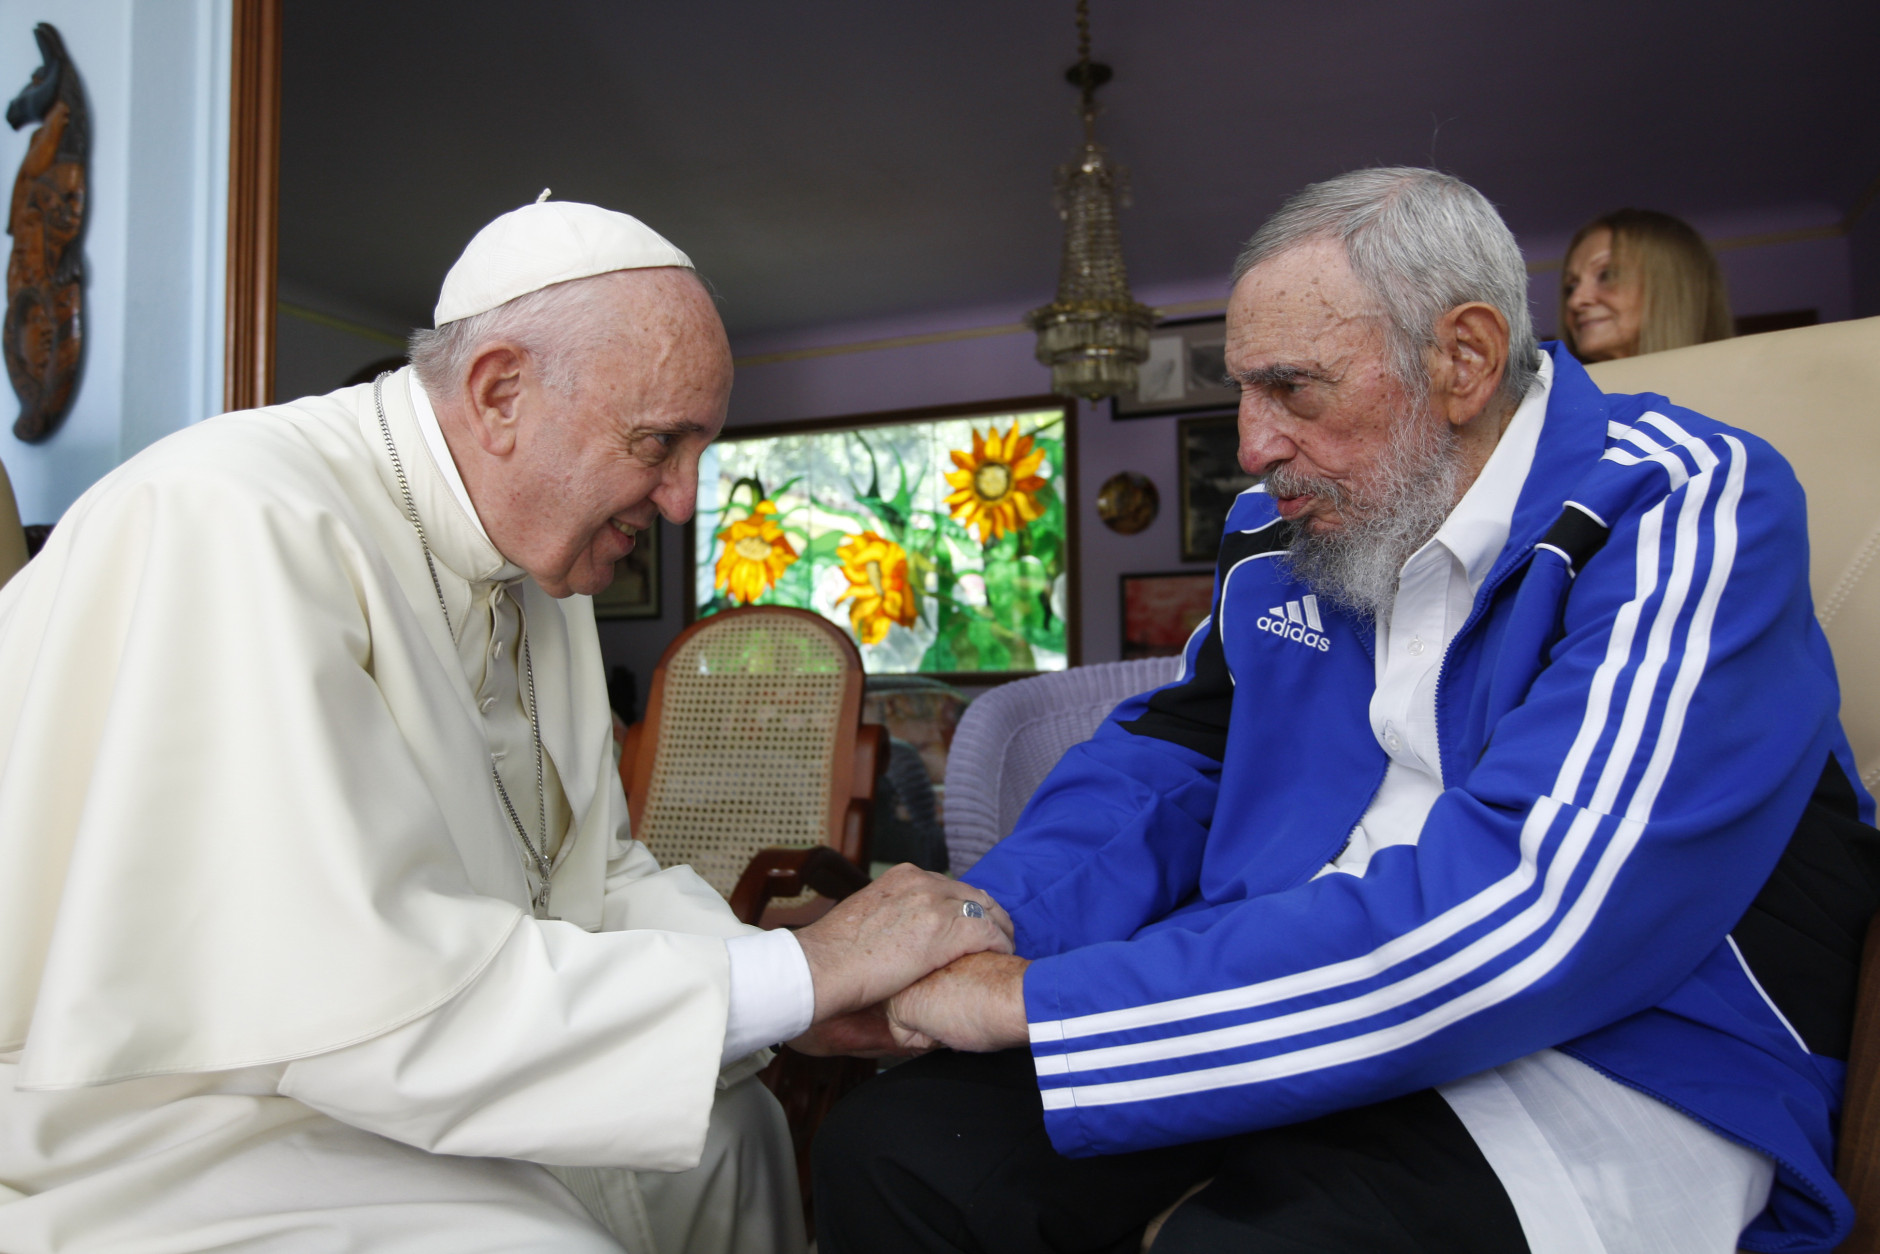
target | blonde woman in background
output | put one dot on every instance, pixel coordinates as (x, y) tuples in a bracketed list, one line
[(1637, 281)]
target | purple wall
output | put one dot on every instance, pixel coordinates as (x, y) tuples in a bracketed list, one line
[(1864, 264), (1815, 274), (1809, 274), (983, 368)]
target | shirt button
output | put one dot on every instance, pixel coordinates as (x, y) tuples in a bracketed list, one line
[(1416, 646), (485, 704), (499, 755), (496, 648), (1393, 741)]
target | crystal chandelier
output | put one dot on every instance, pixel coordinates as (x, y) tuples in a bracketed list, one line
[(1094, 336)]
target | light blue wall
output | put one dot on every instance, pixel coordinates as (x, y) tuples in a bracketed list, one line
[(156, 77)]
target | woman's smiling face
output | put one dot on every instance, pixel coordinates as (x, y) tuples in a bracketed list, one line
[(1604, 306)]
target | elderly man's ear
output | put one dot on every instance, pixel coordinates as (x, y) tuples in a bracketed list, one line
[(1471, 355), (494, 387)]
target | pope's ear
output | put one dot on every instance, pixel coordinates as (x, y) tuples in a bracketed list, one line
[(1472, 357), (494, 386)]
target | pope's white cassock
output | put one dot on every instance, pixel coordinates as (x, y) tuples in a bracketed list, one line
[(269, 978)]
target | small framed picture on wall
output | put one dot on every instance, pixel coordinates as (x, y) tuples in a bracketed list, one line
[(1186, 371), (1160, 611), (634, 593), (1208, 452)]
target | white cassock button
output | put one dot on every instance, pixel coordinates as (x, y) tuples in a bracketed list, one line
[(1416, 646)]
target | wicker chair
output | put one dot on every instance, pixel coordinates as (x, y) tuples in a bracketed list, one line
[(1010, 738), (752, 756), (753, 767)]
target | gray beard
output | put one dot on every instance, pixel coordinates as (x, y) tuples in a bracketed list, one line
[(1413, 490)]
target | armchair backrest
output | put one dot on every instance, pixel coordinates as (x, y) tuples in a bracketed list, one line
[(1814, 393), (1009, 739), (749, 742)]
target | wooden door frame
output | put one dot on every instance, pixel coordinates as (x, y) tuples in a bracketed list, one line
[(254, 178)]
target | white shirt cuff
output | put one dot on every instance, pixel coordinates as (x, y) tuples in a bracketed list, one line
[(772, 996)]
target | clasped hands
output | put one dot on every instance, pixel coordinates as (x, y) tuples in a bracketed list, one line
[(900, 968)]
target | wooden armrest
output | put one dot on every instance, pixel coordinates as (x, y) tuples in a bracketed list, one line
[(871, 759), (787, 872)]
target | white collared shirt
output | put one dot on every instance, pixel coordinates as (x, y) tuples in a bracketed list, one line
[(440, 449), (773, 997), (1434, 592), (1590, 1166)]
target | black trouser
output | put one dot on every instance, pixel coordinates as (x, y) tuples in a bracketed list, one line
[(949, 1153)]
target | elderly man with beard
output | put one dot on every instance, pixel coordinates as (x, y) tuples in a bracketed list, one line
[(1489, 879)]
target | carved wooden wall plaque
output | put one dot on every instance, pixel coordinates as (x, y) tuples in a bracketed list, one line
[(44, 329)]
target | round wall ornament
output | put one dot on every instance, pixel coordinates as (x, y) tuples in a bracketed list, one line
[(1127, 502)]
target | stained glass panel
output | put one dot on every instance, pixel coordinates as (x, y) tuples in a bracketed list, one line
[(939, 544)]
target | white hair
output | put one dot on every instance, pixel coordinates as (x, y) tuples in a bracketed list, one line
[(1422, 243), (554, 325)]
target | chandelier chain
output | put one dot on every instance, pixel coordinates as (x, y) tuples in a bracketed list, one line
[(1086, 79), (1095, 335)]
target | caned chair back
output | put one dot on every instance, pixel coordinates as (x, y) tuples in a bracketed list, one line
[(749, 741), (1009, 739)]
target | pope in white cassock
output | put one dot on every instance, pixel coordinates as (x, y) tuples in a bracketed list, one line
[(320, 924)]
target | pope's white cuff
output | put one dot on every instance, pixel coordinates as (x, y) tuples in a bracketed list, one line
[(772, 995)]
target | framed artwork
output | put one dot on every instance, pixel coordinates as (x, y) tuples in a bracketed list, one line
[(939, 539), (1186, 371), (1161, 611), (1208, 452), (634, 593)]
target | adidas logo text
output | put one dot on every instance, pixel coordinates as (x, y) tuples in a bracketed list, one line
[(1297, 621)]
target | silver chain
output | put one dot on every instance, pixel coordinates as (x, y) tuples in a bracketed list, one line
[(535, 859)]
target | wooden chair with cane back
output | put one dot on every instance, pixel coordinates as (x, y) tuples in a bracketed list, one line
[(753, 767)]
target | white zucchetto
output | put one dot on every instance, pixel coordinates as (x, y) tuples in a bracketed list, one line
[(545, 243)]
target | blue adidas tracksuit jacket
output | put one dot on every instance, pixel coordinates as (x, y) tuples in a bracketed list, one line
[(1650, 853)]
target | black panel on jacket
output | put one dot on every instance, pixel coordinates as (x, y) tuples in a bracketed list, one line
[(1195, 714), (1802, 935), (1578, 535)]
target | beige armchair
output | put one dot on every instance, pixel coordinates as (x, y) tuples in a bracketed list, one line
[(1814, 393)]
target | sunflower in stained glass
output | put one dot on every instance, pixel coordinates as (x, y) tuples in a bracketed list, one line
[(876, 568), (995, 483), (756, 554)]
